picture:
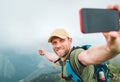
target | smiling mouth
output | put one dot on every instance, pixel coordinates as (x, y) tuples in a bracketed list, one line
[(59, 51)]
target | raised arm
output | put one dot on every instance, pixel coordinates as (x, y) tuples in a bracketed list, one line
[(49, 55), (98, 54)]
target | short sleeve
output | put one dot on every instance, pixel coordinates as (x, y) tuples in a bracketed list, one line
[(76, 64)]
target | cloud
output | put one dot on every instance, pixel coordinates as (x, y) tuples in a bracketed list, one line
[(28, 22), (43, 63)]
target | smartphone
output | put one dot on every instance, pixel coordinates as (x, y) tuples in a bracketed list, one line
[(94, 20)]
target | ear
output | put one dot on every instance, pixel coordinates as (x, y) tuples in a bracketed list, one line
[(70, 39)]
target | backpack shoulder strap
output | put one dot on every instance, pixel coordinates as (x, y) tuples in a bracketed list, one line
[(69, 68), (71, 72)]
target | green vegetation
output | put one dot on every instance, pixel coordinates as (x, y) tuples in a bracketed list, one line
[(50, 77)]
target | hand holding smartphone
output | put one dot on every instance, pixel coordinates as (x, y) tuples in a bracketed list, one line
[(98, 20)]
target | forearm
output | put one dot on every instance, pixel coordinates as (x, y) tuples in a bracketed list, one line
[(51, 56), (101, 53), (96, 55)]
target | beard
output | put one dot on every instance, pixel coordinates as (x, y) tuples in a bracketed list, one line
[(61, 52)]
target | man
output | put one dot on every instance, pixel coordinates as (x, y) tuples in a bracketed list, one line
[(82, 60)]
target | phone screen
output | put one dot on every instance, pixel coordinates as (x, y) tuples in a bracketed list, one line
[(98, 20)]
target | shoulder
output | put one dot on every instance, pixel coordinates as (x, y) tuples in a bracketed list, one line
[(76, 64), (75, 52), (74, 57)]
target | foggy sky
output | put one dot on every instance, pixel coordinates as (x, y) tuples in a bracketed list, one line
[(26, 24)]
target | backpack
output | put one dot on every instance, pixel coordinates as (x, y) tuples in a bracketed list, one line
[(101, 71)]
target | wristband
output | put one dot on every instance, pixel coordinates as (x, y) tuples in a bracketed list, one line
[(57, 60)]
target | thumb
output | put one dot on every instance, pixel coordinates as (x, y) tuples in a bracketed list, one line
[(113, 34)]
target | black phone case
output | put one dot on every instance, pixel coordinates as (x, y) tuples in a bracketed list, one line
[(98, 20)]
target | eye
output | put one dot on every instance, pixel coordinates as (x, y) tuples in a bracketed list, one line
[(62, 40), (54, 43)]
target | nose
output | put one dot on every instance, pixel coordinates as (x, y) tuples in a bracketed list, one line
[(58, 45)]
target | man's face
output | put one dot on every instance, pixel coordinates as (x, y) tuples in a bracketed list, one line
[(61, 46)]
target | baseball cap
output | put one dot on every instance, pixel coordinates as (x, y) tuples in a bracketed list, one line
[(60, 32)]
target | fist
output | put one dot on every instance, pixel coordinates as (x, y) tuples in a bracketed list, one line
[(41, 52)]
